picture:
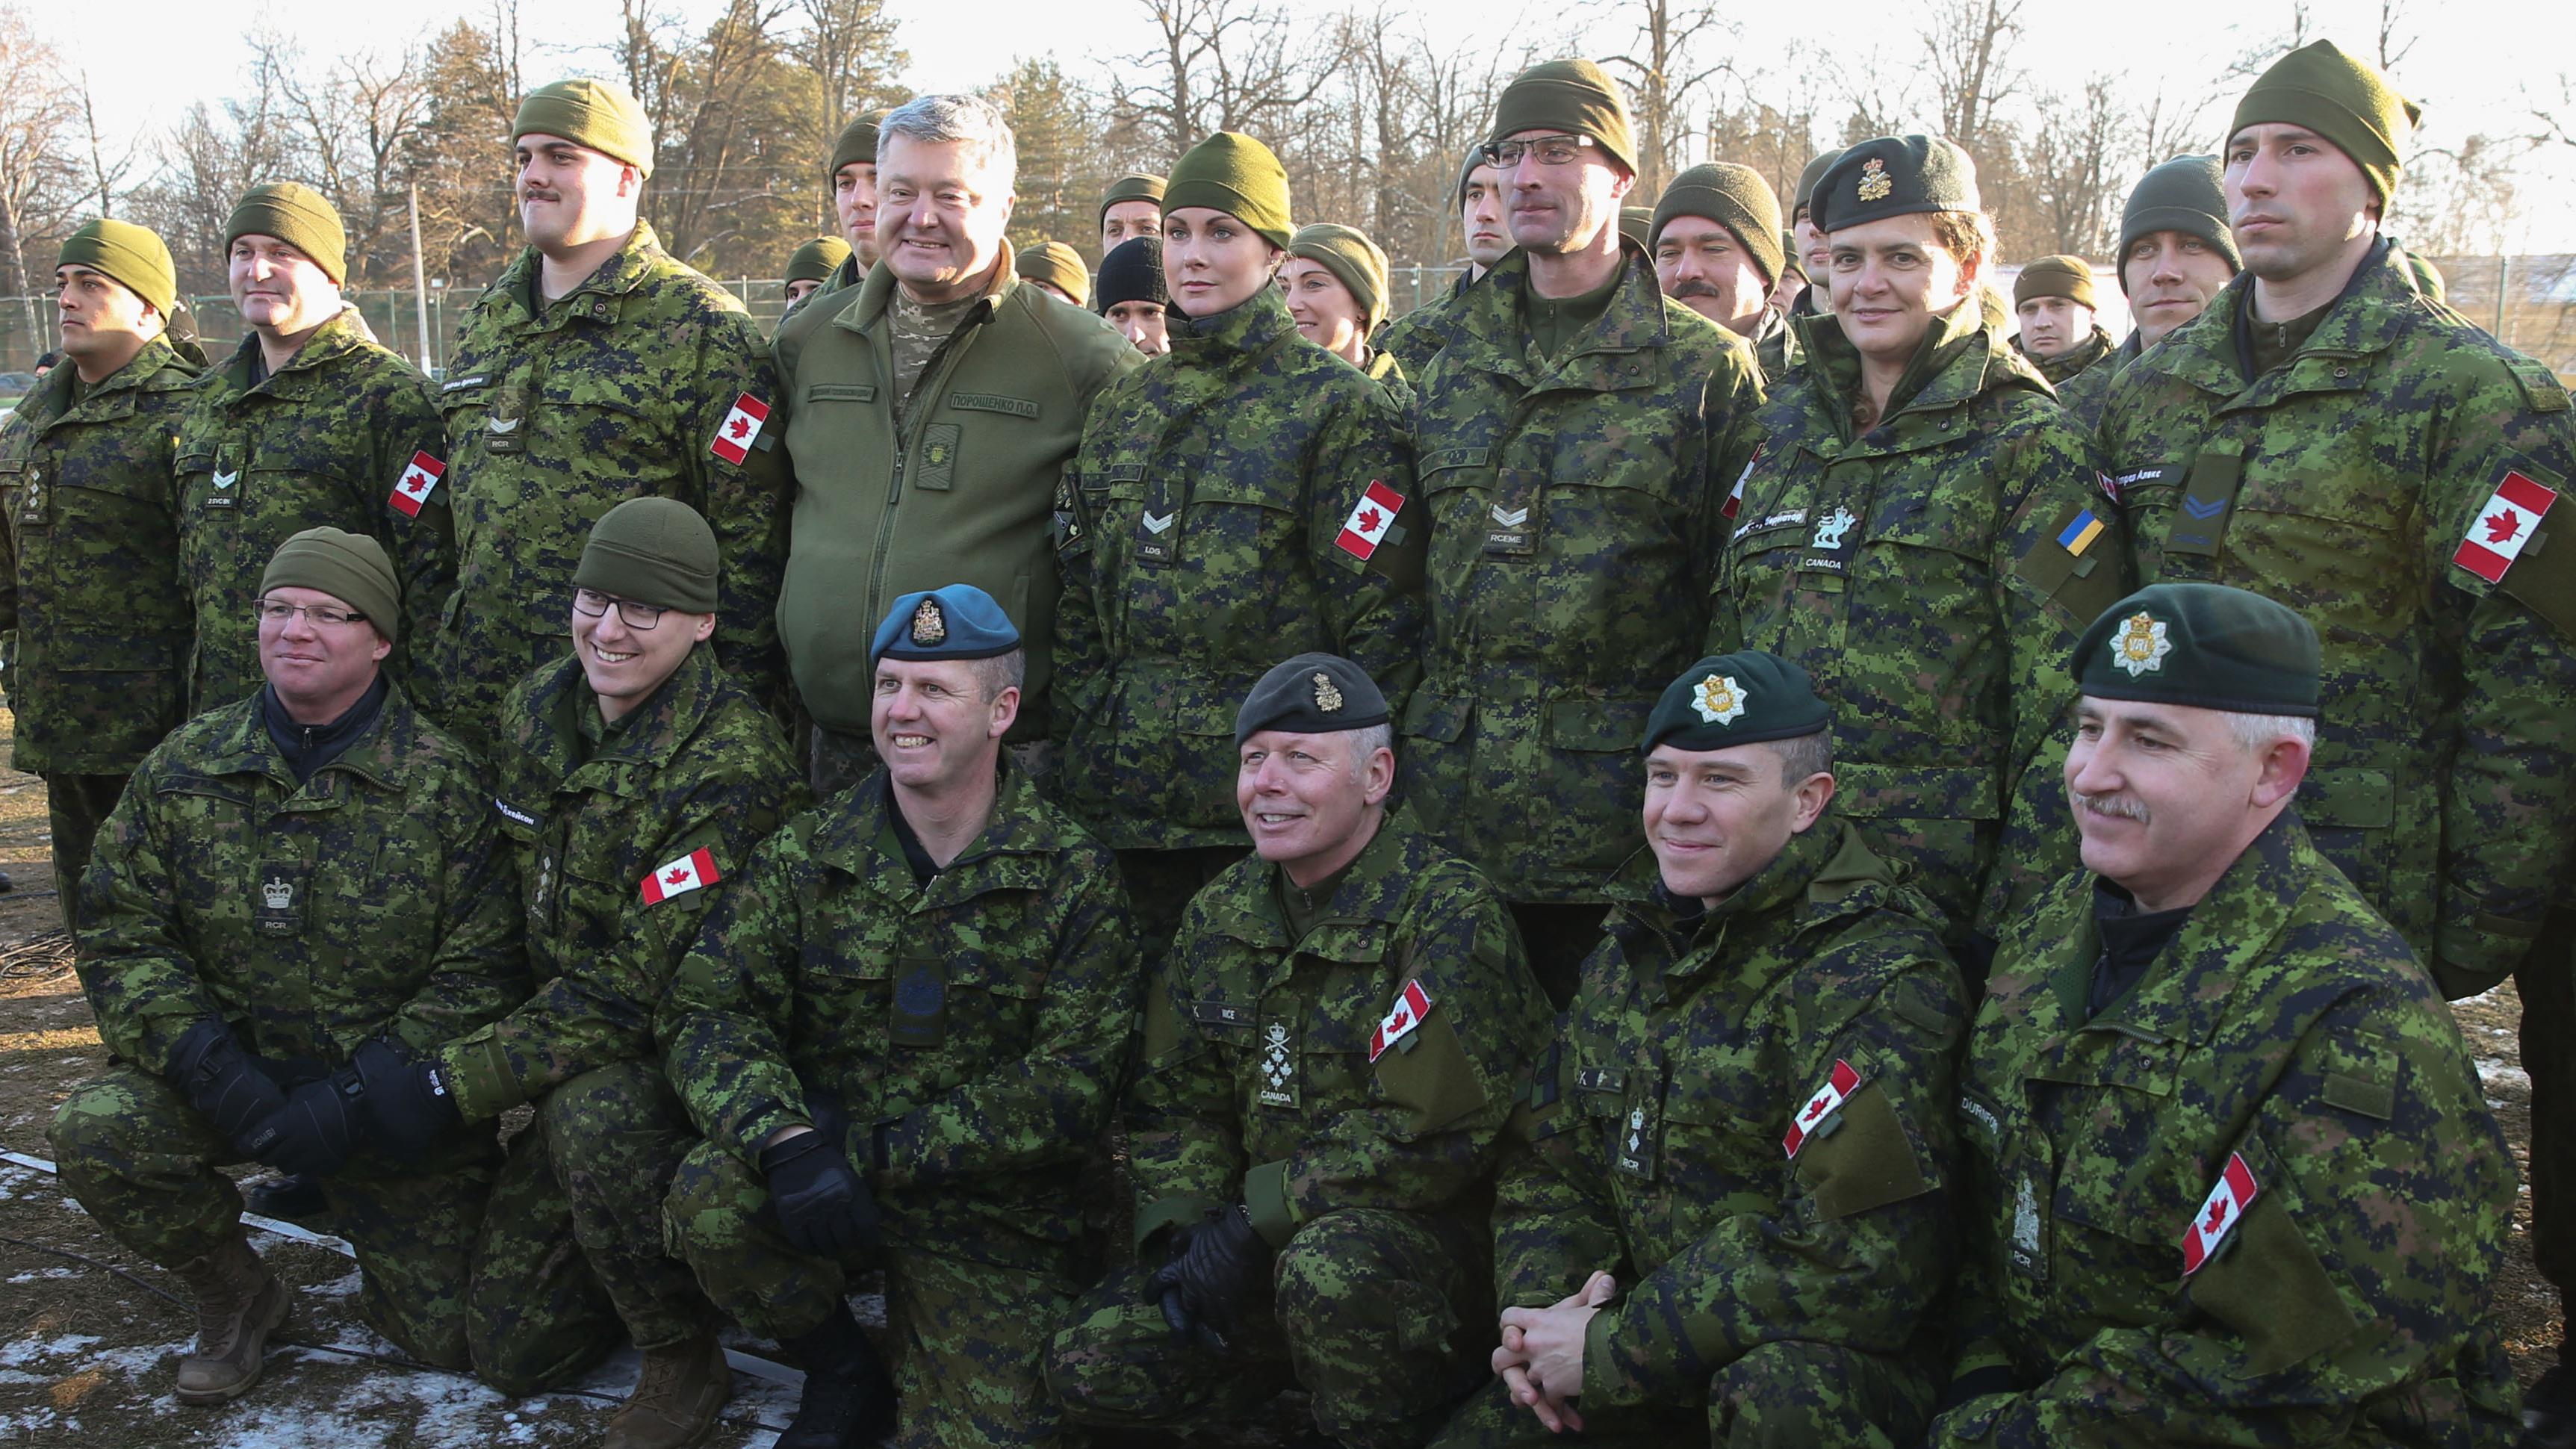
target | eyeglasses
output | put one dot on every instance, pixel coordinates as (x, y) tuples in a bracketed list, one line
[(272, 611), (637, 616), (1552, 151)]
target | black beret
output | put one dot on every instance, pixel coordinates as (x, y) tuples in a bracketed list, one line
[(2203, 645), (1894, 176), (1735, 699), (1312, 694)]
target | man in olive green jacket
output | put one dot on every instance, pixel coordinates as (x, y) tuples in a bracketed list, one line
[(933, 409)]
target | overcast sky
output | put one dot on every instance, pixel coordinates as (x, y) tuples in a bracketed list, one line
[(2477, 65)]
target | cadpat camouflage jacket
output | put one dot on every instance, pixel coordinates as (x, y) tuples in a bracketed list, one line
[(2369, 484), (1247, 497), (973, 1030), (1575, 522), (2258, 1199), (624, 838), (1747, 1123), (1371, 1064), (645, 380), (345, 434), (90, 593), (1931, 573), (374, 900)]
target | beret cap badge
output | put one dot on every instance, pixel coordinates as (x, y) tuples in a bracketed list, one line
[(2141, 644), (1875, 184), (1328, 697), (1720, 700), (928, 627)]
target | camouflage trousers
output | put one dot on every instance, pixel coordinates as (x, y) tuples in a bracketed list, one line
[(966, 1337), (536, 1315), (1779, 1396), (616, 1135), (77, 806), (2547, 984), (143, 1163), (1384, 1318)]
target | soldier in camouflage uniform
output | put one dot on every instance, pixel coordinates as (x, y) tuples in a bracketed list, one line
[(1575, 440), (308, 423), (293, 881), (1415, 337), (1745, 1127), (598, 369), (1924, 532), (634, 779), (2231, 1177), (1718, 250), (2326, 436), (1330, 1057), (2054, 299), (1244, 494), (901, 1030), (2175, 254), (90, 600)]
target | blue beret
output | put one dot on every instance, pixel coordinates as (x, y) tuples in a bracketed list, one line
[(960, 621)]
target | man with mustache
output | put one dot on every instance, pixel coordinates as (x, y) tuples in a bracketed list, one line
[(2175, 254), (597, 368), (1716, 242), (2232, 1178), (1412, 338), (2328, 436)]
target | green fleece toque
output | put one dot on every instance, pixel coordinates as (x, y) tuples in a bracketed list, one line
[(133, 255), (1059, 264), (2059, 276), (350, 567), (1239, 176), (858, 143), (1350, 256), (596, 114), (298, 216), (2340, 97), (1574, 97), (1135, 186), (2187, 194), (653, 551), (1735, 197), (818, 259)]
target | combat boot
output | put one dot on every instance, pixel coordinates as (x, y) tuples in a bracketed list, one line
[(239, 1303), (677, 1396), (849, 1397), (2549, 1408)]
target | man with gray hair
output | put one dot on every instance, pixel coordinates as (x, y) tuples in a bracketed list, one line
[(932, 409)]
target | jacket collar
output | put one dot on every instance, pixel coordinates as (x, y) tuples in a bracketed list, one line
[(51, 402), (651, 737), (1013, 852), (337, 337), (1372, 891), (625, 270), (2374, 309), (380, 757), (1824, 874), (1962, 357), (1247, 329), (876, 295), (1617, 351)]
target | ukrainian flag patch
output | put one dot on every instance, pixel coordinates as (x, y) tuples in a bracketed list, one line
[(2079, 535)]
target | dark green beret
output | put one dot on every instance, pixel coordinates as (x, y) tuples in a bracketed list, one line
[(1312, 694), (2203, 645), (1894, 176), (958, 621), (1735, 699)]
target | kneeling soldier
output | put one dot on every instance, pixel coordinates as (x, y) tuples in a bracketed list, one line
[(1728, 1221), (634, 779), (1329, 1062), (900, 1032), (289, 881), (2232, 1179)]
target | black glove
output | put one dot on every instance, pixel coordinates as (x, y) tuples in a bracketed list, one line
[(225, 1083), (313, 1128), (1214, 1266), (406, 1101), (823, 1205)]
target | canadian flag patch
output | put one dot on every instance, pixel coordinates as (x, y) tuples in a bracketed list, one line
[(2503, 527), (1840, 1083), (1370, 519), (695, 869), (741, 429), (1735, 499), (1410, 1007), (412, 489), (2218, 1213)]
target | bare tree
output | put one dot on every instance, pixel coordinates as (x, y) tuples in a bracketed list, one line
[(106, 178), (39, 174), (1225, 65), (1969, 46), (1664, 75), (2074, 167)]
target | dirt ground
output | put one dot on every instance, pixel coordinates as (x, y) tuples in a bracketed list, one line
[(88, 1332)]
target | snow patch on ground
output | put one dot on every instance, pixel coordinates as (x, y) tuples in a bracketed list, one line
[(2503, 1076)]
